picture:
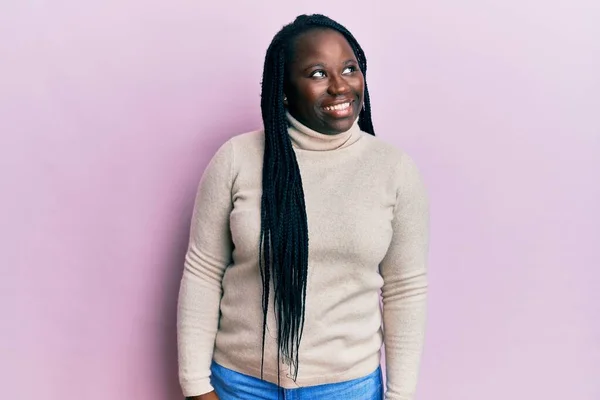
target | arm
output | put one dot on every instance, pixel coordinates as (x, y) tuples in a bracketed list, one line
[(208, 396), (404, 271), (208, 254)]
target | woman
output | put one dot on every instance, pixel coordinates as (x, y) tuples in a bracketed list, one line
[(297, 229)]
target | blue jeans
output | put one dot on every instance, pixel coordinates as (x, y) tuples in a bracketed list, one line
[(232, 385)]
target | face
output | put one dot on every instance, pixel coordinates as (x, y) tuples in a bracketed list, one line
[(324, 84)]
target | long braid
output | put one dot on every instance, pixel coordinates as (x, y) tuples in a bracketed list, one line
[(283, 258)]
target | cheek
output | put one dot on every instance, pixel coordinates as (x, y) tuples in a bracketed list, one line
[(312, 93), (359, 86), (302, 94)]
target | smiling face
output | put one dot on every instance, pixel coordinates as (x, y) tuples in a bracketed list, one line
[(324, 84)]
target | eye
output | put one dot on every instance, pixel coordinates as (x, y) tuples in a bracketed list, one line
[(317, 74), (350, 69)]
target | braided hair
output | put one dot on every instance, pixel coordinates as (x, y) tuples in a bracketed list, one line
[(283, 251)]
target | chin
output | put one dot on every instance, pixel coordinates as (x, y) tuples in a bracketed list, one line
[(338, 126)]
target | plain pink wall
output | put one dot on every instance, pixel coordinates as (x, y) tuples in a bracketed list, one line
[(110, 110)]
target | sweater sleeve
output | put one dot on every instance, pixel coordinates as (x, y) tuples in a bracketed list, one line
[(404, 292), (209, 253)]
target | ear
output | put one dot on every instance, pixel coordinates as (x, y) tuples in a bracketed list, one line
[(285, 100)]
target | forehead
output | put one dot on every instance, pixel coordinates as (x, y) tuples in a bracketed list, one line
[(321, 45)]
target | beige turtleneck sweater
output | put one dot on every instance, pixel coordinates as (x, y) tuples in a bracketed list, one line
[(368, 236)]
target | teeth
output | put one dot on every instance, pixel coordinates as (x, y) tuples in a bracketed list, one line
[(338, 107)]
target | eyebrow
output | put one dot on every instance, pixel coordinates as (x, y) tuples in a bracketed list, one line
[(311, 66), (322, 65)]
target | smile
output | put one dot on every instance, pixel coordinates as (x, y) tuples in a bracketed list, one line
[(338, 107)]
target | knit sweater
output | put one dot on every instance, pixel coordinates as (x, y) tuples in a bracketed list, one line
[(367, 213)]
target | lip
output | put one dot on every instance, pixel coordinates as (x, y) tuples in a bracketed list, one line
[(337, 103), (339, 114)]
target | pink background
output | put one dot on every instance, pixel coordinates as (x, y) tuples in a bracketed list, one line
[(110, 110)]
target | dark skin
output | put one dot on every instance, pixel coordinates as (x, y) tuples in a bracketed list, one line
[(322, 74), (324, 84), (208, 396)]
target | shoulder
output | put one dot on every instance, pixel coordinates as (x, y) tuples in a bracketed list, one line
[(388, 154), (237, 147), (240, 144), (397, 163), (235, 154), (247, 147), (241, 152), (248, 139)]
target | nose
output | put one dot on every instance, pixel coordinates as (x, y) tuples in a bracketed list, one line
[(338, 86)]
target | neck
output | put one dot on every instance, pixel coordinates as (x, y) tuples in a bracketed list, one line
[(308, 139)]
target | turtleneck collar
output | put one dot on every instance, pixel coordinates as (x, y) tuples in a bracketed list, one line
[(307, 139)]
